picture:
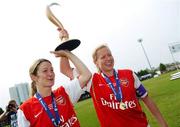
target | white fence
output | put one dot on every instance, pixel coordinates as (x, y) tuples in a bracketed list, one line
[(175, 76)]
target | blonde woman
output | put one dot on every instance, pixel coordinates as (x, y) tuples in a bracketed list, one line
[(47, 108), (116, 92)]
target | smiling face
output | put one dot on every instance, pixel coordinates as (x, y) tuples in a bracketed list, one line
[(104, 60), (43, 74)]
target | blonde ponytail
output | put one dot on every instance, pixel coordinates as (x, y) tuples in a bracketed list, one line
[(33, 88)]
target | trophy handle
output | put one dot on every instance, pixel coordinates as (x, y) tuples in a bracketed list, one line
[(51, 16), (67, 44)]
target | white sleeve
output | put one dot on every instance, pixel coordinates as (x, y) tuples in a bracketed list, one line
[(74, 90), (137, 82), (88, 86), (22, 121)]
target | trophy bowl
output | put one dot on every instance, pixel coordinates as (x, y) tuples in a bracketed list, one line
[(68, 45)]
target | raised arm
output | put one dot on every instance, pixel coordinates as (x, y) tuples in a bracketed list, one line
[(84, 73), (65, 67), (155, 111)]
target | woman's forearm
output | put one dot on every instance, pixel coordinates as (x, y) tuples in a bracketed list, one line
[(84, 73), (155, 111)]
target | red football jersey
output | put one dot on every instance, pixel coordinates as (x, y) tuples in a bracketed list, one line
[(36, 116), (108, 108)]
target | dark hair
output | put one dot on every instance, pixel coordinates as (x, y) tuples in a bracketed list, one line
[(11, 104), (11, 101)]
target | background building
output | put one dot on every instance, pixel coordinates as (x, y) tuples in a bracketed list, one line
[(19, 92)]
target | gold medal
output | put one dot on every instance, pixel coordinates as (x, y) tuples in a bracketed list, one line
[(122, 106)]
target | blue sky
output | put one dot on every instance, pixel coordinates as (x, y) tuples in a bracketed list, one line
[(27, 34)]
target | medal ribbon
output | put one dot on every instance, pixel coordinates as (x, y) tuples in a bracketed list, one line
[(118, 92), (56, 121)]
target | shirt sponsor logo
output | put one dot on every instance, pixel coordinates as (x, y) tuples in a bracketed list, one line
[(70, 122), (116, 105)]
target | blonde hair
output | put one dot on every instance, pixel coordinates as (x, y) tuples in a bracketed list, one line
[(33, 71), (94, 54)]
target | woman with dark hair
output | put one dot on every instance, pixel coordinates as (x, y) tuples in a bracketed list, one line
[(9, 117)]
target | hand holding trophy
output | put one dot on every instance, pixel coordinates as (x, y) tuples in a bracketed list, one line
[(67, 44)]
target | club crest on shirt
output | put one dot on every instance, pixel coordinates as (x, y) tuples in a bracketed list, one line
[(61, 100), (124, 82)]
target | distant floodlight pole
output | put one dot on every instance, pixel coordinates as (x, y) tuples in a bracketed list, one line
[(140, 41)]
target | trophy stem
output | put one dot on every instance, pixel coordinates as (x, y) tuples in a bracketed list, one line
[(64, 39)]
